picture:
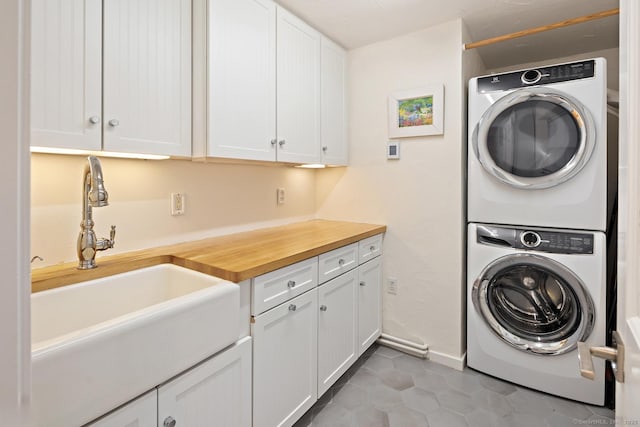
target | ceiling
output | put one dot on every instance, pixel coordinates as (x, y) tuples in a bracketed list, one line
[(355, 23)]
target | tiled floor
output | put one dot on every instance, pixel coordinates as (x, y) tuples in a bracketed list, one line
[(388, 388)]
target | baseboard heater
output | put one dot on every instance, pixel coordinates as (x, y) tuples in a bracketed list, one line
[(409, 347)]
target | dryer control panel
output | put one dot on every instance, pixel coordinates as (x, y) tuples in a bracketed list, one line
[(537, 76), (550, 241)]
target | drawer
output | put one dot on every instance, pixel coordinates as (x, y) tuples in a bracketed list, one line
[(369, 248), (336, 262), (280, 285)]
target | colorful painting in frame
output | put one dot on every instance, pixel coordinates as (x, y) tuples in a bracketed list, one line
[(416, 112)]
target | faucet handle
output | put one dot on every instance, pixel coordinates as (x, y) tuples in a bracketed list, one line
[(112, 236)]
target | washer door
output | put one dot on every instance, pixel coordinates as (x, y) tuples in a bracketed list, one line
[(534, 304), (534, 138)]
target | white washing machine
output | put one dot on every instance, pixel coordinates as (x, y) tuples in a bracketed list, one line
[(537, 151), (532, 294)]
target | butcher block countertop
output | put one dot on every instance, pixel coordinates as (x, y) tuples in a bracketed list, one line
[(234, 257)]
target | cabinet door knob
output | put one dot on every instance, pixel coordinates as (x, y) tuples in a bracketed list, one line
[(94, 120), (362, 283), (114, 122), (291, 283), (323, 308), (281, 142), (341, 262), (274, 142), (169, 422), (292, 307), (325, 148), (372, 248)]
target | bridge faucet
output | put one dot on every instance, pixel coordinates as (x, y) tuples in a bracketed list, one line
[(94, 195)]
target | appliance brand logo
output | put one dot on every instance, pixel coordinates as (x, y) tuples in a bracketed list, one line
[(495, 79)]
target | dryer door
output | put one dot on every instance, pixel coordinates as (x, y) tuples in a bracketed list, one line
[(534, 138), (534, 304)]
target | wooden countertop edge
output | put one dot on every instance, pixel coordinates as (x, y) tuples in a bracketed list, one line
[(66, 274)]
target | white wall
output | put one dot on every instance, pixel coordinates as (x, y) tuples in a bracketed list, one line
[(419, 197), (220, 199)]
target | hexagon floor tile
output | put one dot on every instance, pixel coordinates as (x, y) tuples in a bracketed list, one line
[(391, 389)]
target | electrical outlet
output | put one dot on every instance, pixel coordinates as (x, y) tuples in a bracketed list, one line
[(177, 204), (392, 285), (280, 196)]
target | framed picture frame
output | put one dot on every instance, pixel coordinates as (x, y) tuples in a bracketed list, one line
[(417, 112)]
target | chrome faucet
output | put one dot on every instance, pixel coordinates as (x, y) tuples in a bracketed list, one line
[(94, 195)]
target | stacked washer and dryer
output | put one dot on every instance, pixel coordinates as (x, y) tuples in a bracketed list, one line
[(540, 201)]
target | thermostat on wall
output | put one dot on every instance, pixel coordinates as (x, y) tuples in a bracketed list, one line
[(393, 150)]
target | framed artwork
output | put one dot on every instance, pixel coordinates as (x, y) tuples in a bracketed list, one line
[(416, 112)]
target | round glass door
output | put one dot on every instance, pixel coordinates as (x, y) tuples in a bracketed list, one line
[(534, 138), (534, 304)]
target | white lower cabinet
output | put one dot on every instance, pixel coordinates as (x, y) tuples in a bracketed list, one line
[(216, 392), (369, 303), (284, 361), (337, 328)]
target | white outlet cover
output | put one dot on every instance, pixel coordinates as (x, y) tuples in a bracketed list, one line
[(177, 204)]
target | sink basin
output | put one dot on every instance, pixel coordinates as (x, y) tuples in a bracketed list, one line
[(100, 343)]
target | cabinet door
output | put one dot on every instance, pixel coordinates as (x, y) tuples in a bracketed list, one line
[(369, 303), (214, 393), (285, 361), (147, 76), (66, 73), (298, 90), (337, 328), (142, 412), (333, 77), (242, 79)]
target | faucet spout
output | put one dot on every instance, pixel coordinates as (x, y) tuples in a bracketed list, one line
[(94, 195)]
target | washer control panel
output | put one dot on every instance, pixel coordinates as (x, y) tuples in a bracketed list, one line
[(537, 76), (541, 240), (555, 242)]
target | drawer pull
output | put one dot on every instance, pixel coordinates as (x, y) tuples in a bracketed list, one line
[(372, 248), (291, 283), (323, 308), (292, 307), (341, 262), (363, 283), (169, 422)]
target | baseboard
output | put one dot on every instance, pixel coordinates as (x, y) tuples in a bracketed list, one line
[(457, 363)]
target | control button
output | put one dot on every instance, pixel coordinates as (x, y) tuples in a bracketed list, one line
[(530, 239), (531, 76)]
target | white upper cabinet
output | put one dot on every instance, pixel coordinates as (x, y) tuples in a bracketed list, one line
[(333, 96), (113, 76), (298, 90), (66, 73), (241, 75)]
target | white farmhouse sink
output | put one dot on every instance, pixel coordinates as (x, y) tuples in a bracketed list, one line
[(100, 343)]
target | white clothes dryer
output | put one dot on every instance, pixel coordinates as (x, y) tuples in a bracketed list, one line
[(532, 295), (537, 151)]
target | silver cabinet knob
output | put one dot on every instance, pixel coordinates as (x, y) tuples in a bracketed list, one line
[(341, 262), (274, 142), (94, 120), (323, 308), (325, 148), (362, 283), (291, 283), (281, 142), (169, 422), (292, 307), (114, 122)]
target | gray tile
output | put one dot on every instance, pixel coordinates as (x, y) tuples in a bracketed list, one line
[(388, 352), (333, 416), (525, 401), (351, 396), (444, 418), (492, 402), (569, 408), (437, 367), (369, 416), (420, 400), (383, 397), (525, 420), (482, 418), (323, 401), (365, 378), (463, 382), (431, 381), (602, 410), (456, 401), (395, 379), (401, 416), (498, 386), (409, 364), (377, 363), (599, 420), (556, 419)]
